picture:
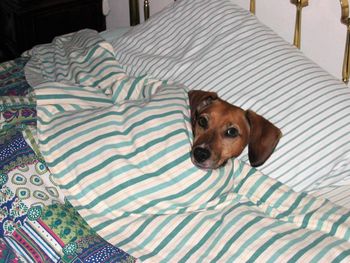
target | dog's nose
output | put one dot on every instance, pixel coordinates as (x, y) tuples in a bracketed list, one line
[(201, 154)]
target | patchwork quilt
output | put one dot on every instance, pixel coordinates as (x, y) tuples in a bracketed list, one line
[(118, 147), (37, 223)]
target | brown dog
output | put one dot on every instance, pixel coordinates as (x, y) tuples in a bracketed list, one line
[(221, 131)]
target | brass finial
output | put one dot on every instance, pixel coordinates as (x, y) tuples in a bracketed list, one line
[(300, 4), (252, 6)]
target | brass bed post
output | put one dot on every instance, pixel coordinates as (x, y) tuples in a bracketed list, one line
[(346, 21), (134, 12), (300, 4), (146, 9), (252, 6)]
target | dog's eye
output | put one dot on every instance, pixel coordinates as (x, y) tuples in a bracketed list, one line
[(203, 122), (232, 132)]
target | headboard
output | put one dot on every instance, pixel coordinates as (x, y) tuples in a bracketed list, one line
[(134, 12), (299, 4)]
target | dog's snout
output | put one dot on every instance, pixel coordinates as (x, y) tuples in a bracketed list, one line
[(201, 154)]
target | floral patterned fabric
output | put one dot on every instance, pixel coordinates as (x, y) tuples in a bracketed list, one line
[(17, 104), (37, 224), (7, 254)]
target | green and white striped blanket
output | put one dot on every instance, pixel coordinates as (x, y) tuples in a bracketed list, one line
[(119, 148)]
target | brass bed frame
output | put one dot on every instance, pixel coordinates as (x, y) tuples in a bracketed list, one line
[(300, 4)]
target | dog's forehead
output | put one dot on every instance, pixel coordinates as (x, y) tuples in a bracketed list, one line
[(224, 111)]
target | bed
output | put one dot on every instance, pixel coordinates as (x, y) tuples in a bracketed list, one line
[(96, 135)]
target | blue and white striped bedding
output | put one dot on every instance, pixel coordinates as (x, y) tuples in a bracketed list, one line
[(217, 46), (124, 163)]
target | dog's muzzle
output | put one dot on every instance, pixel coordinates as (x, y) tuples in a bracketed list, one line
[(201, 154)]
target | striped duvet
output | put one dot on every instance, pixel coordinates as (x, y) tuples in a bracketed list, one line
[(125, 166), (215, 45)]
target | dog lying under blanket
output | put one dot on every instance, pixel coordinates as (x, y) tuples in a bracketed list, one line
[(221, 131)]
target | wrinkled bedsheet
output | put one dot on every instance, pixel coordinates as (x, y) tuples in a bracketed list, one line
[(119, 148)]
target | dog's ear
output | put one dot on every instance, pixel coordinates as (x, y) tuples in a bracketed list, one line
[(199, 99), (264, 137)]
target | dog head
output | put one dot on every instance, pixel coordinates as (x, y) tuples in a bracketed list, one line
[(221, 131)]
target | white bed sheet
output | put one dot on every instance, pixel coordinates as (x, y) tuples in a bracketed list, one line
[(218, 46)]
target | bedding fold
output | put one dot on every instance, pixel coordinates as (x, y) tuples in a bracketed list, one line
[(125, 166)]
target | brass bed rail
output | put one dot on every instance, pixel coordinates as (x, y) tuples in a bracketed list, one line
[(146, 9), (346, 21), (300, 4), (252, 6), (134, 12)]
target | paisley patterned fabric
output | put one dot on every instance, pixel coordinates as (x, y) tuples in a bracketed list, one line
[(17, 111), (37, 224), (12, 79), (25, 174)]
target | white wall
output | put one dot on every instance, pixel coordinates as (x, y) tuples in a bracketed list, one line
[(323, 36)]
